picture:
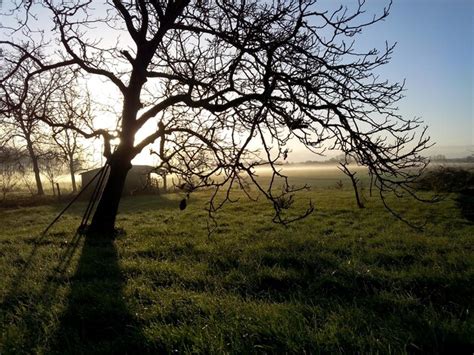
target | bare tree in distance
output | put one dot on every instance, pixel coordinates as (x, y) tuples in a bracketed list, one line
[(217, 77), (344, 167), (9, 169), (53, 165), (22, 113), (72, 109)]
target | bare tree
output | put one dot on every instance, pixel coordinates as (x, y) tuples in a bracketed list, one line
[(22, 115), (53, 165), (75, 109), (9, 168), (68, 141), (217, 77), (344, 167)]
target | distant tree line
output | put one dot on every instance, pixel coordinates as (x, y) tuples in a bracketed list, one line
[(439, 158)]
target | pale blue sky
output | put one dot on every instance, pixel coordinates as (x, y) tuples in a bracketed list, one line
[(435, 55)]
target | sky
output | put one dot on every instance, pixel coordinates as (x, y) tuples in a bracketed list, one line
[(434, 54)]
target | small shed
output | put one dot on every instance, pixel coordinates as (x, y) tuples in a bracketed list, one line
[(138, 180)]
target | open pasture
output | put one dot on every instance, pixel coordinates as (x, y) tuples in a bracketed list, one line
[(342, 280)]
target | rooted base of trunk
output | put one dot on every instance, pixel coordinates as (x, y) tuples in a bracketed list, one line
[(103, 221)]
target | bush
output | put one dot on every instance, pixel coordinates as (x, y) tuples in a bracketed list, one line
[(447, 179)]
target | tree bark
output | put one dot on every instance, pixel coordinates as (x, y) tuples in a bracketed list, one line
[(36, 170), (103, 221), (73, 177), (165, 186)]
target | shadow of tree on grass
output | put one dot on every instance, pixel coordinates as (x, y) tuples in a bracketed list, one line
[(97, 319)]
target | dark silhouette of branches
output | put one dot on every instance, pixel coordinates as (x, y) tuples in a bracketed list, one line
[(218, 78)]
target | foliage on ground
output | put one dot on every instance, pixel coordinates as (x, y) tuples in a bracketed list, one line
[(344, 279)]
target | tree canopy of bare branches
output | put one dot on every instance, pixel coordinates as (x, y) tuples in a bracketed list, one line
[(217, 78)]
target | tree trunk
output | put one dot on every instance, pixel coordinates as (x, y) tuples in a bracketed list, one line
[(352, 175), (165, 187), (36, 170), (73, 177), (103, 221)]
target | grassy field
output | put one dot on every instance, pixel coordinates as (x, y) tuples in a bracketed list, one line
[(342, 280)]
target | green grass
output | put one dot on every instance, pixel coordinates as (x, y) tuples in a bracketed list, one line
[(343, 279)]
